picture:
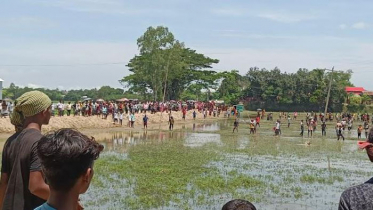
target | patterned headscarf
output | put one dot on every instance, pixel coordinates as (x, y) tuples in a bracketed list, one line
[(27, 105)]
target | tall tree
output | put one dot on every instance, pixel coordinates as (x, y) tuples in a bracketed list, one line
[(165, 66)]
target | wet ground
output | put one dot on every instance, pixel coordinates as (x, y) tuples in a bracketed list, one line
[(204, 165)]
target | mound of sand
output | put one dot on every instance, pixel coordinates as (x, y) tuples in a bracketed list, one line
[(95, 122)]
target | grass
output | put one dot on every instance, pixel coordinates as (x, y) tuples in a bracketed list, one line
[(158, 174)]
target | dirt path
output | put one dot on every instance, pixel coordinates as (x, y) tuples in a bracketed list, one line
[(156, 121)]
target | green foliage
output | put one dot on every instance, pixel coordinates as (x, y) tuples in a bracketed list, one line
[(306, 89), (166, 67), (105, 92)]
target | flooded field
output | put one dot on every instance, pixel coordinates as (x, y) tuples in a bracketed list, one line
[(204, 165)]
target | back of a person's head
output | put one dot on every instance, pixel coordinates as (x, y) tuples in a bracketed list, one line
[(238, 205), (65, 156)]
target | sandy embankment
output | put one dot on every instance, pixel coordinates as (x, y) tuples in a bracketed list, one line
[(95, 122)]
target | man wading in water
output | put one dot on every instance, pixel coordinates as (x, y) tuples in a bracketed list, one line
[(22, 183)]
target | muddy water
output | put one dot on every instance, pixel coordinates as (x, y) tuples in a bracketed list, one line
[(295, 175)]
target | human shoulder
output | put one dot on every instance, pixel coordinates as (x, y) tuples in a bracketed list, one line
[(359, 197), (45, 206)]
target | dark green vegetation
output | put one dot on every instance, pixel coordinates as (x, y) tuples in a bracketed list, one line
[(105, 92), (204, 168)]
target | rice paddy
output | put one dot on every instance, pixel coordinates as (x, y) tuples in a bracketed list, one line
[(204, 165)]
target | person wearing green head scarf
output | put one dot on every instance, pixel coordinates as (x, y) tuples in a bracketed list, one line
[(22, 184)]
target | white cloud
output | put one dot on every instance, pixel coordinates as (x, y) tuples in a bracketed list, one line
[(30, 85), (287, 17), (342, 26), (360, 25)]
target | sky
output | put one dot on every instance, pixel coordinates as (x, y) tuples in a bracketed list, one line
[(70, 44)]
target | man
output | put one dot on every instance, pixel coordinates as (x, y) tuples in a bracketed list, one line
[(145, 121), (360, 197), (171, 121), (22, 183), (184, 113), (359, 130), (68, 108), (301, 128), (366, 128), (278, 128), (252, 126), (310, 127), (194, 114), (235, 125), (323, 128), (67, 158), (339, 128)]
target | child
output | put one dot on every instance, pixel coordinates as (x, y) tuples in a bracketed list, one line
[(67, 158), (359, 130), (238, 205)]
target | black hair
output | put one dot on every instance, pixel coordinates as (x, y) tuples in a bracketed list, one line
[(238, 205), (65, 155)]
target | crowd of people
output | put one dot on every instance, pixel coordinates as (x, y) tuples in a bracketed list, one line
[(344, 121), (49, 172)]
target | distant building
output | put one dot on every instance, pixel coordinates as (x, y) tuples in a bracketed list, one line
[(355, 90), (1, 89)]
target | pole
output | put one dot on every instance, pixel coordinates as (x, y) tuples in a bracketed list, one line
[(165, 87), (330, 86)]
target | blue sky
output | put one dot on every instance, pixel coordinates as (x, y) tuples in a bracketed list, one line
[(57, 40)]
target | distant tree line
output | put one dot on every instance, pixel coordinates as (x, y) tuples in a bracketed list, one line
[(105, 92)]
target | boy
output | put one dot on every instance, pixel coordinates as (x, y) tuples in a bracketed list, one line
[(238, 205), (67, 158), (359, 130), (194, 114)]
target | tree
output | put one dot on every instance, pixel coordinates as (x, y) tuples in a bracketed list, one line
[(165, 67)]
